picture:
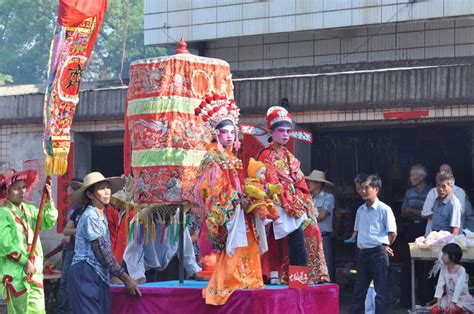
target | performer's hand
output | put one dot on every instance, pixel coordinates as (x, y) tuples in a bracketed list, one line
[(29, 268), (244, 202), (48, 188), (438, 303), (451, 308), (389, 251), (132, 287)]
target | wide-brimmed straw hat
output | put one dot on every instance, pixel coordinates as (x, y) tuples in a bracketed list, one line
[(318, 176), (30, 177), (76, 183), (79, 198)]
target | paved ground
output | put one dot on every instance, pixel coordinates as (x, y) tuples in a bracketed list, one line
[(345, 303)]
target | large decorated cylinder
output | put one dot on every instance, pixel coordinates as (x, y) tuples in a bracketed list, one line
[(164, 140)]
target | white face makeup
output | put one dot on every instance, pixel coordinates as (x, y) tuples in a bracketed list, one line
[(281, 135), (226, 135)]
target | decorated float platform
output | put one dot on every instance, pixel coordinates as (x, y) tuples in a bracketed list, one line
[(173, 297)]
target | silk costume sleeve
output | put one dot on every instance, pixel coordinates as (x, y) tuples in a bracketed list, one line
[(9, 247), (50, 215)]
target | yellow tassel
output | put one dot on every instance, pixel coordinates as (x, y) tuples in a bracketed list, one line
[(48, 165), (127, 215), (56, 165), (153, 231), (146, 232)]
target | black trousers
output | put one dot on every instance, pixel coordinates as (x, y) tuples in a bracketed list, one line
[(371, 266), (297, 248)]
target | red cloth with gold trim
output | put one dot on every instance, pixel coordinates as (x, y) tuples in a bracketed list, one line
[(74, 38), (165, 141)]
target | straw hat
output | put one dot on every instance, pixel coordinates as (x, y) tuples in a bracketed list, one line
[(78, 197), (76, 183), (318, 176)]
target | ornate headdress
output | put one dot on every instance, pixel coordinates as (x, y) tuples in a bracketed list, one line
[(277, 114), (214, 109), (6, 180)]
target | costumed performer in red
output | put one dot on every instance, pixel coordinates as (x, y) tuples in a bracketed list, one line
[(296, 208)]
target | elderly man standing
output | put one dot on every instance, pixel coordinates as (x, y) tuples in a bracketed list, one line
[(411, 211), (433, 195), (324, 202), (377, 230)]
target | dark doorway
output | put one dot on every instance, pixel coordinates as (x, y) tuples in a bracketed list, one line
[(108, 159)]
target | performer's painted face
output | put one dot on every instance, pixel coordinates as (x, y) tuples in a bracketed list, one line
[(226, 135), (102, 193), (281, 135), (17, 192)]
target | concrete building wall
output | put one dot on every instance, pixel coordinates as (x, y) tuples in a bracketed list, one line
[(390, 42), (9, 150), (202, 20)]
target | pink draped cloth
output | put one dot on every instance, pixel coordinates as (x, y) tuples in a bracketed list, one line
[(167, 297)]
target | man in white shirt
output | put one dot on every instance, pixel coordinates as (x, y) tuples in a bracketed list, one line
[(377, 230)]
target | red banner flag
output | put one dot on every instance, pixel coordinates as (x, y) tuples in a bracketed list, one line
[(74, 38)]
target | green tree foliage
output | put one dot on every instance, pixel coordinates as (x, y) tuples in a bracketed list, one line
[(105, 63), (25, 37), (26, 30), (5, 78)]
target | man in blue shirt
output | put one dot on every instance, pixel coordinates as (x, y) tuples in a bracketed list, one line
[(415, 226), (447, 208), (377, 230)]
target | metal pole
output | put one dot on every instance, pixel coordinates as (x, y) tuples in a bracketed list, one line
[(181, 245)]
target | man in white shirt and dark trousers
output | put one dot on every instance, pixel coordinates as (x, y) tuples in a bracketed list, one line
[(377, 230)]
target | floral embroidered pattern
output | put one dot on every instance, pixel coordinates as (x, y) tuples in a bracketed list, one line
[(220, 191), (284, 168)]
